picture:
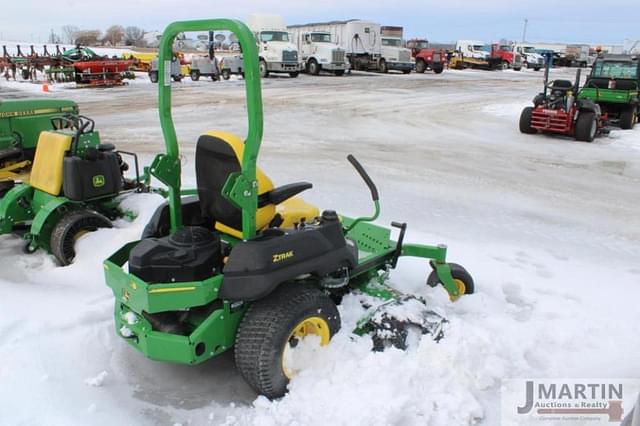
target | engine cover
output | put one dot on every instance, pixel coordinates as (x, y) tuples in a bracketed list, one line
[(256, 267), (191, 254)]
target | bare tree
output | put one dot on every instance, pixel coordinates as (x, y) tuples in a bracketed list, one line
[(134, 36), (69, 33), (113, 35), (54, 38), (87, 37)]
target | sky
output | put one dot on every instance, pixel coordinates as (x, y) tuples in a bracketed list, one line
[(587, 21)]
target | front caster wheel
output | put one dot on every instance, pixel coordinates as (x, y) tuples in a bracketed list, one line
[(461, 277)]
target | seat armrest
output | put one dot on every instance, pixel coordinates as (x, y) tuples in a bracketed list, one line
[(282, 193)]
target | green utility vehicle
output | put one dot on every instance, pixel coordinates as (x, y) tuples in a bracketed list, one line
[(614, 83), (21, 122), (73, 189), (247, 265)]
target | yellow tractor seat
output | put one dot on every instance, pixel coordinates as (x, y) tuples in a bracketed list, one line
[(218, 155), (47, 168)]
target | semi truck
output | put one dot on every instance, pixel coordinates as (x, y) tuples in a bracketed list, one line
[(318, 50), (507, 53), (530, 56), (276, 51), (475, 54), (426, 56), (394, 55), (362, 42)]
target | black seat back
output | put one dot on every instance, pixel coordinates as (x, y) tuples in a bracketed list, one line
[(215, 161), (561, 85)]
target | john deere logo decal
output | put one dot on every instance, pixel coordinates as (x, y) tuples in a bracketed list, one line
[(98, 181)]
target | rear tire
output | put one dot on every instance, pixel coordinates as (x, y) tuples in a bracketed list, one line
[(438, 69), (71, 227), (267, 329), (421, 66), (628, 118), (195, 75), (226, 74), (153, 76), (505, 65), (264, 71), (586, 127), (525, 121), (383, 66)]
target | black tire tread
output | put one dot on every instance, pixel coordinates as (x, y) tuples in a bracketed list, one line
[(525, 121), (583, 126), (70, 224), (457, 272), (266, 326)]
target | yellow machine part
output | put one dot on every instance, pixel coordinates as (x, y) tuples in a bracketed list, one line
[(17, 171), (292, 210), (46, 172)]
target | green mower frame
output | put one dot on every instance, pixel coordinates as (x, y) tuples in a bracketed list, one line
[(54, 220), (213, 322)]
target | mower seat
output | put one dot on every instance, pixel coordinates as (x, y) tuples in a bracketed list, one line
[(47, 168), (218, 155), (561, 86)]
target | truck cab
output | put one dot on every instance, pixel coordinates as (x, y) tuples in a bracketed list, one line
[(276, 51), (473, 49), (506, 52), (394, 56), (426, 57), (320, 53), (530, 56)]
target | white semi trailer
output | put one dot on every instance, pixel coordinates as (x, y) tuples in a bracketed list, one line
[(318, 50), (276, 51), (362, 42)]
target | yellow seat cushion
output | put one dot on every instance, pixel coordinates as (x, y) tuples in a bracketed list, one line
[(46, 172), (294, 210), (291, 210)]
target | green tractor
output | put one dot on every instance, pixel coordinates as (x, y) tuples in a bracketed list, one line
[(21, 122), (73, 189), (614, 84), (246, 265)]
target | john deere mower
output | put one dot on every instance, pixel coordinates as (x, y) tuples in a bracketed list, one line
[(614, 84), (73, 188), (560, 110), (247, 265), (21, 122)]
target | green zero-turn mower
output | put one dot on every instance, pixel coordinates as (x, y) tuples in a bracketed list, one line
[(21, 121), (73, 189), (614, 84), (248, 266)]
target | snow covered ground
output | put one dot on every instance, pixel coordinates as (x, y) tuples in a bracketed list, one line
[(547, 226)]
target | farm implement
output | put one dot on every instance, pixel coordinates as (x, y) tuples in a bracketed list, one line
[(73, 188), (80, 65), (614, 84), (244, 264), (560, 109)]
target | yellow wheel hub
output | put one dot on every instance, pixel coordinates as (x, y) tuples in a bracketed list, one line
[(462, 289), (309, 326)]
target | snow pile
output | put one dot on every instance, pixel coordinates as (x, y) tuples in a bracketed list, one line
[(98, 380)]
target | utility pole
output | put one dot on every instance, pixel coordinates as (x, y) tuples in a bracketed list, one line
[(524, 30)]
